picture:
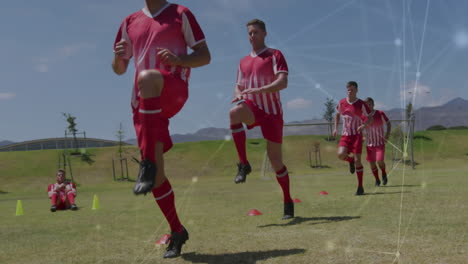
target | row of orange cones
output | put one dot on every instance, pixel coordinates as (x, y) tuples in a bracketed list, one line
[(20, 211), (166, 238)]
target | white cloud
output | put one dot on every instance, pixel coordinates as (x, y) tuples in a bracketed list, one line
[(42, 64), (73, 49), (380, 105), (298, 103), (461, 39), (7, 96), (422, 95), (42, 67)]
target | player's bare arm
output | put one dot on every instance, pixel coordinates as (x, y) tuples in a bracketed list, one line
[(237, 94), (199, 57), (369, 120), (279, 84), (337, 120), (389, 129), (120, 63)]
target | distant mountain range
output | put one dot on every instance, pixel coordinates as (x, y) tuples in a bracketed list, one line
[(5, 142), (453, 113)]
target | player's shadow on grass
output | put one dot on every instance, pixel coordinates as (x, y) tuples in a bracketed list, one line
[(241, 257), (379, 193), (399, 185), (314, 220)]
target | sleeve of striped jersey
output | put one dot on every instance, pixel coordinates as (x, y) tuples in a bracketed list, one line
[(365, 109), (279, 63), (193, 33), (240, 76), (71, 188), (384, 117), (50, 189), (122, 34)]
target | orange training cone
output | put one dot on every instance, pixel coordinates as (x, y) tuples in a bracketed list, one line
[(254, 212), (164, 240)]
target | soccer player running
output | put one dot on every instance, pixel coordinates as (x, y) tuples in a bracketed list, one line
[(261, 76), (376, 139), (352, 109), (157, 38)]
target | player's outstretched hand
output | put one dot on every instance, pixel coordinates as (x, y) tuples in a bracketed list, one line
[(386, 138), (237, 99), (360, 128), (167, 57), (252, 91), (121, 48)]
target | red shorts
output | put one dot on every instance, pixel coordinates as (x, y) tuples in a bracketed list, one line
[(62, 202), (173, 98), (353, 143), (375, 153), (271, 125)]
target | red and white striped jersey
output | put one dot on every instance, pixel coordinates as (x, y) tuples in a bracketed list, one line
[(352, 113), (375, 135), (63, 190), (257, 70), (174, 28)]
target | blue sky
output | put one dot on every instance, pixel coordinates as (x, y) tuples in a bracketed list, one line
[(56, 58)]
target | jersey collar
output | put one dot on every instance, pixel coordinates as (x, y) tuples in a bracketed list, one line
[(260, 52), (148, 13), (351, 102)]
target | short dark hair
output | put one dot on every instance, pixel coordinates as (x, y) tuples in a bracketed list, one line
[(352, 83), (369, 99), (257, 22), (62, 171)]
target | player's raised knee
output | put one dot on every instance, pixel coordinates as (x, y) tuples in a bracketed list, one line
[(235, 112), (150, 83)]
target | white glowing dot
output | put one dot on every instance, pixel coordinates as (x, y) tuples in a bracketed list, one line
[(42, 68), (405, 155), (461, 39), (98, 227), (194, 179), (398, 254), (330, 245), (398, 42), (227, 137), (317, 86), (418, 74), (423, 185)]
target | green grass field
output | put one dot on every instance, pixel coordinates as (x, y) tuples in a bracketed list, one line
[(421, 214)]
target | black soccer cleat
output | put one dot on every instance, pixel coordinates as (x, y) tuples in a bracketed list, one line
[(242, 171), (53, 208), (360, 190), (146, 178), (377, 183), (384, 179), (175, 246), (288, 211), (74, 207), (352, 167)]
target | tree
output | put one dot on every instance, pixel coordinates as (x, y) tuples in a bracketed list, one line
[(120, 137), (409, 111), (72, 128), (329, 115)]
